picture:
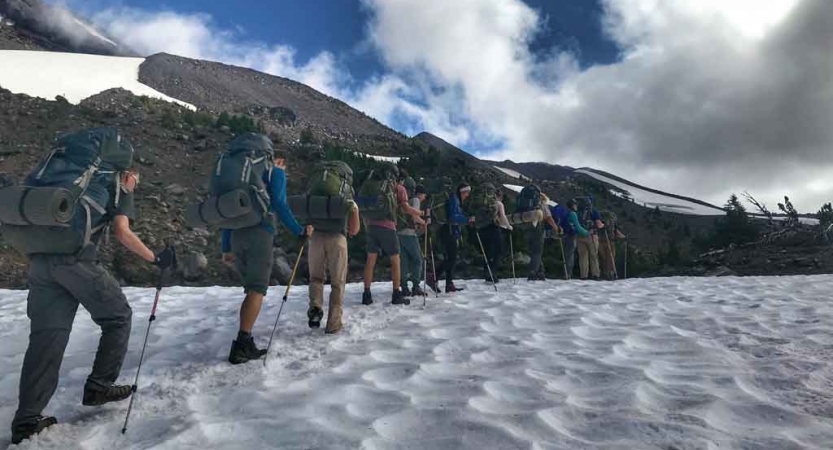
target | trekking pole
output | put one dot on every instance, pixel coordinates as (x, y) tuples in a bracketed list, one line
[(425, 270), (512, 251), (285, 295), (482, 250), (433, 269), (135, 386), (610, 254), (563, 258), (626, 258)]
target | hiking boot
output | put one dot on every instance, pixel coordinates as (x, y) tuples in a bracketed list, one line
[(449, 288), (315, 315), (398, 299), (244, 350), (432, 283), (367, 298), (22, 432), (95, 395), (489, 279), (406, 292), (417, 292)]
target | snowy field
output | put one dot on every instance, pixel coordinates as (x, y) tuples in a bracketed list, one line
[(657, 364), (71, 75)]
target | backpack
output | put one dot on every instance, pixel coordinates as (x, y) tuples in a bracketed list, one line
[(587, 215), (334, 180), (483, 205), (560, 214), (62, 204), (377, 197), (528, 199), (439, 208), (241, 168)]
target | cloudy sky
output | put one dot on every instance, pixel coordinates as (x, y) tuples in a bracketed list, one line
[(696, 97)]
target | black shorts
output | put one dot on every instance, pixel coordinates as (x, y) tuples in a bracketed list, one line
[(382, 240)]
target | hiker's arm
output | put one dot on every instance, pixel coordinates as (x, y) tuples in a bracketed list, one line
[(121, 228), (619, 235), (277, 191), (353, 222), (580, 230), (552, 223)]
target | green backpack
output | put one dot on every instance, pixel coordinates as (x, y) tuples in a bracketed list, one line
[(331, 179), (439, 208), (377, 197), (483, 205)]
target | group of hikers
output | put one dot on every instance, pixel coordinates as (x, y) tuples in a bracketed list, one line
[(85, 188)]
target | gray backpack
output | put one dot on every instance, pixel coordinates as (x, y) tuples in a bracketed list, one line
[(62, 203), (238, 196)]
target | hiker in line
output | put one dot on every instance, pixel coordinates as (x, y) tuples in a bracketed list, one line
[(411, 260), (450, 216), (487, 221), (572, 231), (588, 246), (535, 238), (250, 249), (381, 233), (60, 281), (607, 245), (328, 253)]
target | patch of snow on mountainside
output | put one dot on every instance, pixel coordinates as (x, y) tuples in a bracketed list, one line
[(652, 200), (94, 32), (663, 363), (511, 173), (71, 75), (390, 159)]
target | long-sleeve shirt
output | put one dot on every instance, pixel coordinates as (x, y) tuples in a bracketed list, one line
[(277, 193), (455, 212), (575, 227)]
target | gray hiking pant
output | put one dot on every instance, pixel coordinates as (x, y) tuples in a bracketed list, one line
[(535, 240), (411, 260), (57, 284)]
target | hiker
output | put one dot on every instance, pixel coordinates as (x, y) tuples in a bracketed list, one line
[(250, 248), (328, 253), (64, 271), (588, 246), (449, 215), (572, 232), (411, 251), (381, 230), (487, 207), (607, 245), (532, 199)]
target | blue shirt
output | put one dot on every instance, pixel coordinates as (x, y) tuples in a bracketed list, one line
[(277, 193)]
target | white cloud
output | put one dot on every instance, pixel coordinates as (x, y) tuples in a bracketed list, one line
[(709, 96)]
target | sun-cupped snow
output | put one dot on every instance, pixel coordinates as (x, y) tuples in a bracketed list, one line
[(652, 200), (518, 189), (511, 173), (71, 75), (682, 363)]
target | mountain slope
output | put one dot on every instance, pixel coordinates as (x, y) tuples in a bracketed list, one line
[(34, 25)]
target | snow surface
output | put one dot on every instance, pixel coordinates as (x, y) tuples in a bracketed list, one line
[(516, 188), (674, 363), (94, 32), (390, 159), (74, 76), (512, 173), (651, 200)]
